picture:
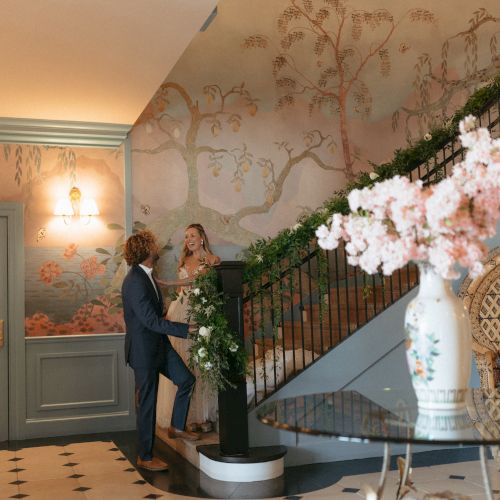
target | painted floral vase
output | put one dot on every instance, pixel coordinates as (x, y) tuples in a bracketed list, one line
[(438, 343)]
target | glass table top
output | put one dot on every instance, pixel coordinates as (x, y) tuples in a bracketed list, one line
[(387, 416)]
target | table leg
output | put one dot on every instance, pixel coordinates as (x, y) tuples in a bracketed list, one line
[(484, 470), (406, 471), (383, 473)]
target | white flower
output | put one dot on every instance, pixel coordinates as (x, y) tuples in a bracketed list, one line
[(468, 124), (209, 310), (427, 137), (203, 300), (296, 226), (259, 258), (202, 352), (207, 365), (355, 198), (233, 347), (204, 331), (373, 175), (327, 239), (196, 291), (322, 232)]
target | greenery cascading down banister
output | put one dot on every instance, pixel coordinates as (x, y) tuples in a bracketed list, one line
[(271, 263), (284, 245)]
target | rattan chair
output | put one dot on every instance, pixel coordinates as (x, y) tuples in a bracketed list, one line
[(481, 296)]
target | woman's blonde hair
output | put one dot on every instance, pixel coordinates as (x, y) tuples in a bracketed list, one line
[(204, 244)]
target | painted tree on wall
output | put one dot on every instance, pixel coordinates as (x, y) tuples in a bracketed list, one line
[(433, 85), (334, 35), (183, 123)]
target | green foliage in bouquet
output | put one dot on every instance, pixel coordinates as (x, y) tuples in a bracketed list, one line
[(216, 350)]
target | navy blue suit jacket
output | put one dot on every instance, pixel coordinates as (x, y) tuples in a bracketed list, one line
[(146, 341)]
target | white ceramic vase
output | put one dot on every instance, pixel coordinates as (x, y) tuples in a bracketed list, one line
[(438, 343)]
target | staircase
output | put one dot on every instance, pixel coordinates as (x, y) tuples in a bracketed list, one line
[(292, 320), (344, 310)]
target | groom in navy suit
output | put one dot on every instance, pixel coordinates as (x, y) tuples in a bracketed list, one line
[(149, 351)]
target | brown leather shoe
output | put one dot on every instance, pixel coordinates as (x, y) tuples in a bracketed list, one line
[(155, 464), (174, 433)]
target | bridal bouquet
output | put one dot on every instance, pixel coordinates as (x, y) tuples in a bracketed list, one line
[(397, 221), (215, 349)]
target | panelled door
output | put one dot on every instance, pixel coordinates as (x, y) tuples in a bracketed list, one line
[(4, 357)]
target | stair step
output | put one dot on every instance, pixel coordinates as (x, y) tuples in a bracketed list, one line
[(187, 449)]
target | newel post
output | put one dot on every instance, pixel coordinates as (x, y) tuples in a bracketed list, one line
[(233, 413), (232, 460)]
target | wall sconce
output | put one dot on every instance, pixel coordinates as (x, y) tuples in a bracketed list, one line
[(76, 206)]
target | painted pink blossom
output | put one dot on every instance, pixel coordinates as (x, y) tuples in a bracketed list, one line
[(49, 271), (90, 267), (397, 221), (70, 251)]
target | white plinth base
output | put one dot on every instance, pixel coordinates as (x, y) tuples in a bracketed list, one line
[(241, 472), (256, 464)]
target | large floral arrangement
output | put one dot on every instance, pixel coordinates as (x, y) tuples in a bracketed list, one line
[(397, 221), (215, 349)]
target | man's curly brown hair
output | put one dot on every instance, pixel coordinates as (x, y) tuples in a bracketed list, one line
[(139, 246)]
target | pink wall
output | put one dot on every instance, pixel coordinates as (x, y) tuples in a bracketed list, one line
[(217, 144)]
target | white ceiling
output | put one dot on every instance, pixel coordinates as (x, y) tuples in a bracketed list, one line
[(90, 60)]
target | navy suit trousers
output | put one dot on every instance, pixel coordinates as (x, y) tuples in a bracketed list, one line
[(146, 390)]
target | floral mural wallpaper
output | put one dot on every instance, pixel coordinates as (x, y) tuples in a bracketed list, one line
[(278, 104), (268, 112), (70, 268)]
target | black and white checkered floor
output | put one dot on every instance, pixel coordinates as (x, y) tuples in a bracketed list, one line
[(101, 470)]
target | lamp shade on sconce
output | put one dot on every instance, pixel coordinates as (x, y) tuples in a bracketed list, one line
[(88, 207), (64, 208), (75, 206)]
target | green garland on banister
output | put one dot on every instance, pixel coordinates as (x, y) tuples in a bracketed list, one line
[(215, 349), (263, 256)]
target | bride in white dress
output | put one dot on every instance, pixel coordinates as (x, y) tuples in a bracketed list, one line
[(196, 256)]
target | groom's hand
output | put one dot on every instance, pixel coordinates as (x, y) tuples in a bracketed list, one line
[(193, 328)]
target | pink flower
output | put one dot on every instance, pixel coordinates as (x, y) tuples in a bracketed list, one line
[(90, 267), (49, 271), (70, 251), (397, 221)]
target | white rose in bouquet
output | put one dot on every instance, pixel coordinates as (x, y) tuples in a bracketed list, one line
[(204, 331)]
